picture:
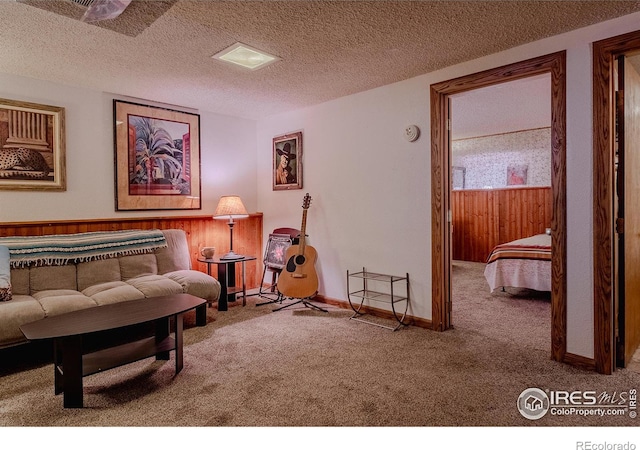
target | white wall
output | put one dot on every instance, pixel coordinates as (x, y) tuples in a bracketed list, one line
[(371, 189), (227, 157), (369, 186)]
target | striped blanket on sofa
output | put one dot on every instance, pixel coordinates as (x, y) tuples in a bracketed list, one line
[(80, 247)]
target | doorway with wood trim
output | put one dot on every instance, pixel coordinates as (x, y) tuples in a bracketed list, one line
[(554, 65), (616, 123), (501, 154)]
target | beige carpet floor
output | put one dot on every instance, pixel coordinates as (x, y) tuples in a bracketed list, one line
[(299, 367)]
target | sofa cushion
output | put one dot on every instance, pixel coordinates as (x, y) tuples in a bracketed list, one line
[(20, 281), (20, 310), (175, 256), (52, 277), (155, 285), (196, 283), (97, 272), (60, 301), (5, 275), (112, 292), (137, 265)]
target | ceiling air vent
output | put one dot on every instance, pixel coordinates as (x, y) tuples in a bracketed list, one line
[(102, 9), (139, 14), (85, 3)]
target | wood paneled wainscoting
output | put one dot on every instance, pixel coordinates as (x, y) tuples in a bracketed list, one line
[(485, 218), (201, 231)]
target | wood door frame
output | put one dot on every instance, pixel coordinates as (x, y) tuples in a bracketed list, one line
[(555, 65), (604, 53)]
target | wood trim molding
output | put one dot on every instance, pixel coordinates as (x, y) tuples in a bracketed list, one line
[(604, 52), (580, 361), (440, 205), (555, 65)]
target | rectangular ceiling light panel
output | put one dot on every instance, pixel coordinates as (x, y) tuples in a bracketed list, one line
[(246, 56)]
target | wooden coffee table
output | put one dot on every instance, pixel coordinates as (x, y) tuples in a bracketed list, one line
[(71, 363)]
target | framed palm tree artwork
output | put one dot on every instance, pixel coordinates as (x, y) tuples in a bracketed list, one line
[(157, 158)]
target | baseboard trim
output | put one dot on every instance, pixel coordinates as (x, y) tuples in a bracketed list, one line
[(376, 312)]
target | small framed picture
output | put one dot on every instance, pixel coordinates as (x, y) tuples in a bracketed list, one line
[(276, 250), (517, 175), (287, 162), (32, 146)]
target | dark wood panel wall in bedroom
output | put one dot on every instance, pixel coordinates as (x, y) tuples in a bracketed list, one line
[(201, 231), (485, 218)]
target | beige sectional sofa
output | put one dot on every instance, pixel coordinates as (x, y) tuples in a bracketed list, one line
[(40, 291)]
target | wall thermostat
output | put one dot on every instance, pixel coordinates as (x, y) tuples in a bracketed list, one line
[(412, 133)]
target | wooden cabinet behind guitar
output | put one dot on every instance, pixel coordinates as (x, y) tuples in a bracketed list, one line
[(299, 279)]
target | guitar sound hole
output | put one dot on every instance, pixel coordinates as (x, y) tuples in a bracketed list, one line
[(300, 260), (291, 265)]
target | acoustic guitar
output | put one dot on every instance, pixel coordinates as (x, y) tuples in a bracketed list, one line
[(298, 278)]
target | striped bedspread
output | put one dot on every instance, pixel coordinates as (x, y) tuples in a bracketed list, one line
[(80, 247), (535, 247), (524, 263)]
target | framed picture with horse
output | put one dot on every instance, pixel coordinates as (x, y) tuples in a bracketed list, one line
[(287, 161)]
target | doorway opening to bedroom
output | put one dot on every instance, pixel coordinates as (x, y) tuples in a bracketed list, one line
[(444, 176), (501, 209)]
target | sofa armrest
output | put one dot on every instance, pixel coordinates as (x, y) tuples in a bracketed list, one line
[(197, 283)]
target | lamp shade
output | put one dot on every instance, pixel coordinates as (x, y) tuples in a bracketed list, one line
[(230, 207)]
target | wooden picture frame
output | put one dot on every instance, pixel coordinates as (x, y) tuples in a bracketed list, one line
[(157, 158), (32, 146), (287, 162)]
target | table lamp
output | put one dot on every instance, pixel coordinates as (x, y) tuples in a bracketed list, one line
[(230, 207)]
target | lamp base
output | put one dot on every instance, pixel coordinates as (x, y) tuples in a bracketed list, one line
[(231, 255)]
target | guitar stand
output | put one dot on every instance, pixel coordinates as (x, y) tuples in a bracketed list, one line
[(278, 299), (305, 302), (265, 294)]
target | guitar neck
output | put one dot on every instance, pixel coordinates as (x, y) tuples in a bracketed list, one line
[(302, 242)]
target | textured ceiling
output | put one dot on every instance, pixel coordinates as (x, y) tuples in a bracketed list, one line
[(161, 51)]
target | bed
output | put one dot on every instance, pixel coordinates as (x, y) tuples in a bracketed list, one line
[(523, 263)]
